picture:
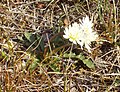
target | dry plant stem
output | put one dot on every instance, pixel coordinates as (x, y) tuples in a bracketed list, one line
[(67, 66), (51, 19), (108, 53), (110, 70), (46, 73), (100, 12), (70, 82), (8, 4), (34, 13), (49, 42), (87, 72), (88, 6), (114, 9), (49, 4), (26, 51), (66, 69), (66, 13), (11, 30), (38, 43), (112, 85)]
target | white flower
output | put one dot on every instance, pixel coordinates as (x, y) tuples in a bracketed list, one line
[(87, 35), (72, 33), (82, 33)]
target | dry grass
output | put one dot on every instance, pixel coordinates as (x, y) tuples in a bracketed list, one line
[(32, 47)]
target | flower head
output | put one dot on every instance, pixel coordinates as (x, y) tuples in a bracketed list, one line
[(87, 34), (72, 33), (82, 33)]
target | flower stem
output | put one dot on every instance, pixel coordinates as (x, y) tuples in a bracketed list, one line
[(66, 69)]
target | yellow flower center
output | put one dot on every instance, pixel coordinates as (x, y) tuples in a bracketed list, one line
[(73, 37)]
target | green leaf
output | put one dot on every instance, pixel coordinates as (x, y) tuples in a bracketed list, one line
[(80, 56), (68, 55), (34, 65), (89, 63), (28, 36), (41, 45), (3, 53), (54, 67)]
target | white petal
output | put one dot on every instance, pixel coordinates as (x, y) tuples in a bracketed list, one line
[(88, 47), (65, 36)]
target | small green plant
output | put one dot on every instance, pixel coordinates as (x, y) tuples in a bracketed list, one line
[(81, 57)]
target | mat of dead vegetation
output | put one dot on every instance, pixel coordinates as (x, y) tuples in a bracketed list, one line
[(34, 54)]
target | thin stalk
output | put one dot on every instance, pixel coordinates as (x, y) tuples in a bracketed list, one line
[(49, 43), (88, 6), (66, 69), (68, 64), (114, 11)]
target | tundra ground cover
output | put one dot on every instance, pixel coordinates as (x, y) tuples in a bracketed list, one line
[(37, 54)]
